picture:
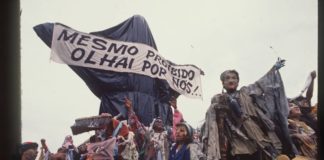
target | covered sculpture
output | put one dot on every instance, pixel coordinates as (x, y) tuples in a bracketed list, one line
[(150, 96)]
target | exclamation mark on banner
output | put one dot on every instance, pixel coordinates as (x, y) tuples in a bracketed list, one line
[(195, 91)]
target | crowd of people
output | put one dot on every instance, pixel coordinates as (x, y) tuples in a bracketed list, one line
[(239, 124)]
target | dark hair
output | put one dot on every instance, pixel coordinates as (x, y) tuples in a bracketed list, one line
[(93, 139), (27, 145), (222, 76), (298, 101)]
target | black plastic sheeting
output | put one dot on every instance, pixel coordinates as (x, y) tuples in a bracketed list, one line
[(150, 96)]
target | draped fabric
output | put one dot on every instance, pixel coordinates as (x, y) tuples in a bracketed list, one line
[(269, 94), (270, 113), (150, 96)]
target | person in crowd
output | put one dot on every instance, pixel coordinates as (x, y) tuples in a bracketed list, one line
[(68, 142), (98, 149), (239, 126), (158, 145), (44, 151), (128, 144), (141, 133), (107, 142), (177, 116), (303, 136), (120, 131), (180, 150), (195, 146), (82, 150), (86, 150), (304, 102), (129, 151), (69, 147), (28, 150), (196, 135)]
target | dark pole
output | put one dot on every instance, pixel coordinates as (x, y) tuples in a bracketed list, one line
[(10, 121)]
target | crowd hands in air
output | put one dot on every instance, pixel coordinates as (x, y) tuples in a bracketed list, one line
[(236, 127)]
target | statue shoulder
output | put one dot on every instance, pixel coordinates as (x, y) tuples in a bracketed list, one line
[(215, 98)]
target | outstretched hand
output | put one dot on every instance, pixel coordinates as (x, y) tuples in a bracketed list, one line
[(280, 63)]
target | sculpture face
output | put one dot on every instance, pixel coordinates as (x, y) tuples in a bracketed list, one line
[(230, 82)]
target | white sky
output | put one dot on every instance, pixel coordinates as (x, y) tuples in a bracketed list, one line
[(214, 35)]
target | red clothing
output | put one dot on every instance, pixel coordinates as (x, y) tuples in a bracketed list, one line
[(123, 130), (177, 117), (133, 121)]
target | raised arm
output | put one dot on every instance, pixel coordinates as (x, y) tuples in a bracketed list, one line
[(132, 117), (310, 88)]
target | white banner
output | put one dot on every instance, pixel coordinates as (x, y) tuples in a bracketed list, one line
[(81, 49)]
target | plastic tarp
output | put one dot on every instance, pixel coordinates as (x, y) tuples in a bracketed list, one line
[(150, 96)]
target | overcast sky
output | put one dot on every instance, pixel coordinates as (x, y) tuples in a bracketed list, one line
[(214, 35)]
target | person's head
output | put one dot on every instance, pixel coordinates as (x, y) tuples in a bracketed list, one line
[(184, 133), (28, 150), (68, 141), (294, 110), (303, 103), (158, 125), (43, 141), (68, 138), (94, 139), (82, 149), (230, 80), (196, 135)]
